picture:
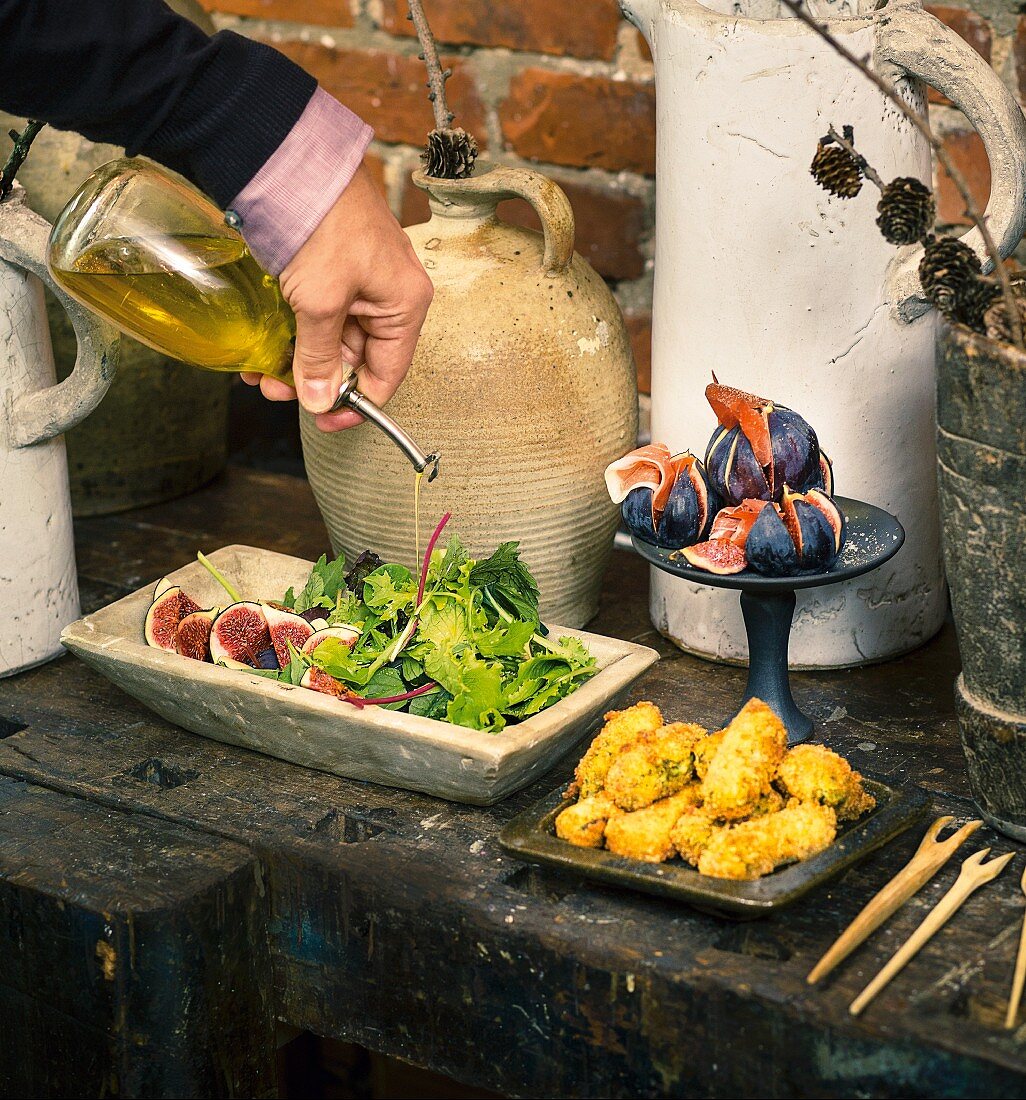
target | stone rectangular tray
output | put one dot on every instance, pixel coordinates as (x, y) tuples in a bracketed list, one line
[(317, 731), (531, 836)]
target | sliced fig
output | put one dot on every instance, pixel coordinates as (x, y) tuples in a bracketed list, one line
[(285, 627), (164, 614), (192, 636), (347, 635), (826, 475), (318, 680), (162, 586), (238, 634), (834, 515), (770, 548), (686, 516), (638, 514), (719, 556), (810, 530)]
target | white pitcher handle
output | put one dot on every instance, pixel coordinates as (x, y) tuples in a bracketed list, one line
[(926, 48), (40, 415)]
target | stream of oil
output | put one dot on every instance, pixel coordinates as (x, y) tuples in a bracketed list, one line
[(417, 479)]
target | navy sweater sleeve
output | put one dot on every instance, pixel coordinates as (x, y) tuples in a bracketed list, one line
[(133, 73)]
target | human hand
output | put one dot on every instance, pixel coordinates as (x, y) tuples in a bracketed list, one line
[(360, 296)]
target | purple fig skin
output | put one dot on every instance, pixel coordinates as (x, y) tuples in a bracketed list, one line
[(818, 550), (686, 518), (267, 658), (795, 453), (636, 511), (732, 470), (770, 549), (311, 614)]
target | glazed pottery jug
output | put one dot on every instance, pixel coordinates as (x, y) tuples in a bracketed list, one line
[(981, 465), (523, 381), (788, 292), (123, 456), (39, 586)]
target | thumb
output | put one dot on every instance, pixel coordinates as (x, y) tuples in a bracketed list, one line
[(317, 362)]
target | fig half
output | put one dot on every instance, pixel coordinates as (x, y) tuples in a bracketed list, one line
[(347, 635), (238, 635), (165, 613), (720, 556), (318, 680), (192, 637), (285, 627)]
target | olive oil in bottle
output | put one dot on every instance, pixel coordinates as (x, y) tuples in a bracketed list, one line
[(201, 299)]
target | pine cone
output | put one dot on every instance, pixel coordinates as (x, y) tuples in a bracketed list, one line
[(995, 320), (974, 302), (450, 154), (906, 210), (946, 270), (836, 171)]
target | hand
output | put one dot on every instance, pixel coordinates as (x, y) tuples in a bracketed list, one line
[(360, 296)]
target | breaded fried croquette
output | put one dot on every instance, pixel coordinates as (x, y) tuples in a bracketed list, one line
[(745, 763), (584, 822), (621, 730), (658, 765), (692, 832), (705, 750), (814, 773), (694, 829), (755, 848), (645, 834)]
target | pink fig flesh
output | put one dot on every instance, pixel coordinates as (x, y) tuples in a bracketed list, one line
[(239, 633), (286, 627), (164, 615)]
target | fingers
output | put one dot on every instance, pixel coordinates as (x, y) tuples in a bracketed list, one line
[(317, 364)]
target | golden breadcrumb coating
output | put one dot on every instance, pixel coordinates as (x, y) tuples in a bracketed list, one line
[(621, 730), (814, 773), (745, 763), (656, 766), (645, 834), (584, 823), (705, 750), (755, 848), (691, 833)]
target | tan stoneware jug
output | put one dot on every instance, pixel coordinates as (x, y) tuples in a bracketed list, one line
[(524, 382)]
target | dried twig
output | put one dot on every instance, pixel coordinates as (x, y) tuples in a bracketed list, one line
[(923, 126), (22, 142), (865, 167), (437, 76)]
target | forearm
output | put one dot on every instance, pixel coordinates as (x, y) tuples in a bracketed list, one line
[(132, 73)]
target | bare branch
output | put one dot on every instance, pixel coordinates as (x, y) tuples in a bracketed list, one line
[(22, 142), (923, 126), (866, 168), (436, 75)]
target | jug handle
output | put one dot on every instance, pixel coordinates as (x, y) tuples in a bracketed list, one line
[(926, 48), (503, 182), (41, 415)]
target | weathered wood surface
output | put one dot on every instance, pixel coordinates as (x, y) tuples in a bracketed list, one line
[(392, 919)]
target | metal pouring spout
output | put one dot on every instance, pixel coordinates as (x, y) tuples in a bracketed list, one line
[(349, 397)]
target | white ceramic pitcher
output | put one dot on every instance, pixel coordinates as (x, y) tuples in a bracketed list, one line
[(38, 582), (790, 293)]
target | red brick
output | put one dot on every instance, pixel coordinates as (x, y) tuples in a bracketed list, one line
[(539, 25), (330, 13), (609, 224), (970, 158), (966, 24), (581, 120), (639, 328), (642, 46), (388, 90)]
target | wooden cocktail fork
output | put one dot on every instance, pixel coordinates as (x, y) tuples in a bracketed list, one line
[(1020, 970), (930, 856), (974, 874)]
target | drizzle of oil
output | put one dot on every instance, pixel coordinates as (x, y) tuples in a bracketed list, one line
[(417, 479)]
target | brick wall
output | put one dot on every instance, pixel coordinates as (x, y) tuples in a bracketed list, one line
[(566, 88)]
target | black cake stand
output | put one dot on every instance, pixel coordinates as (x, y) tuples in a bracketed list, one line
[(873, 536)]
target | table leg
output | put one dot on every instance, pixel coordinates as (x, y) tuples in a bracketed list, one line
[(768, 624)]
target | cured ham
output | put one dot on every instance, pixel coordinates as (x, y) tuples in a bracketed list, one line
[(650, 467)]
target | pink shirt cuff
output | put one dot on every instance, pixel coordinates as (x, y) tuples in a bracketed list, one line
[(299, 183)]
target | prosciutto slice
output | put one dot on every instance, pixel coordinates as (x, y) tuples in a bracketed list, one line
[(651, 467)]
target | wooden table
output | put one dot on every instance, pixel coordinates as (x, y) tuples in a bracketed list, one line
[(164, 899)]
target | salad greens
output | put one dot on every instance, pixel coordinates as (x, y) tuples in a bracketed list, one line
[(465, 635)]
